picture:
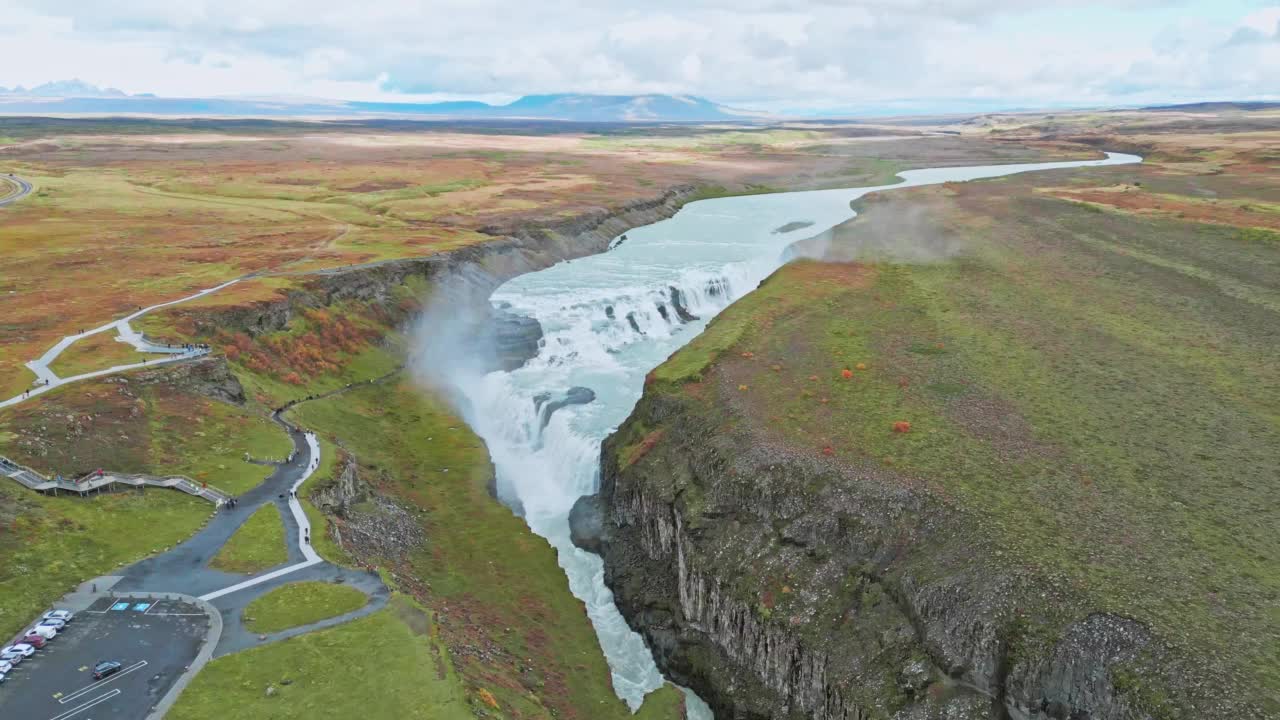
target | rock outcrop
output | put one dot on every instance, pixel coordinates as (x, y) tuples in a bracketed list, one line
[(366, 523), (782, 585), (547, 404), (208, 376), (586, 523)]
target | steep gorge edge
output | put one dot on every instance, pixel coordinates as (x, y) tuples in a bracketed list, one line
[(780, 585), (483, 266)]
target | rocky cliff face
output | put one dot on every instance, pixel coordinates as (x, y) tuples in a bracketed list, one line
[(482, 267), (781, 585), (366, 523), (208, 376)]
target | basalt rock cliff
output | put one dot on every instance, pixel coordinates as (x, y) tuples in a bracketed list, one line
[(781, 585)]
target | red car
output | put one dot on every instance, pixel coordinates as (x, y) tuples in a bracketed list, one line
[(35, 641)]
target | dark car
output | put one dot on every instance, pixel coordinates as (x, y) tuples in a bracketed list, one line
[(106, 669)]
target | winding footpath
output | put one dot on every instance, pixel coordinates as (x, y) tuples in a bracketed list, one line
[(47, 379), (24, 189)]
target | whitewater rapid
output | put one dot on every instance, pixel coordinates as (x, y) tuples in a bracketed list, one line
[(608, 320)]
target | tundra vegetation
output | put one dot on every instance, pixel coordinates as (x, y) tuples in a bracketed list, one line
[(131, 213)]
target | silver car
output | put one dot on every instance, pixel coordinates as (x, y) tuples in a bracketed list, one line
[(64, 615)]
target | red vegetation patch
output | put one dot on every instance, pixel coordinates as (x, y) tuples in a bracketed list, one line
[(1196, 211), (902, 426), (295, 358), (850, 274), (632, 454)]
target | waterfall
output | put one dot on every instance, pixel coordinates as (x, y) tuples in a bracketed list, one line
[(609, 319)]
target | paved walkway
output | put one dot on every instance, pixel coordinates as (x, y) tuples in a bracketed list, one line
[(47, 379), (185, 568)]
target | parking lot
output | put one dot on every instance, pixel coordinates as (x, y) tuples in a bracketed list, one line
[(154, 641)]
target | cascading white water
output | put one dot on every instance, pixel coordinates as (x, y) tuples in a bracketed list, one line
[(604, 328)]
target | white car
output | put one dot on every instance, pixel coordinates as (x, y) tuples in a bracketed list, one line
[(44, 631), (64, 615), (2, 677), (16, 653), (55, 624), (5, 666)]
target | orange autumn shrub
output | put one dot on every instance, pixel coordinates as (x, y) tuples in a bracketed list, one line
[(846, 373), (294, 358), (902, 426)]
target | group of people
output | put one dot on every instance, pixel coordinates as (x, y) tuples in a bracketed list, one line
[(27, 393), (230, 503)]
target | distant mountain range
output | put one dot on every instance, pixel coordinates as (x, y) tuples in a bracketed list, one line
[(1222, 106), (64, 89), (74, 97)]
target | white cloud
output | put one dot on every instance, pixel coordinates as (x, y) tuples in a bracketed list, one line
[(769, 53)]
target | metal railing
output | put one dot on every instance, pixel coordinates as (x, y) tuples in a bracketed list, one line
[(97, 481)]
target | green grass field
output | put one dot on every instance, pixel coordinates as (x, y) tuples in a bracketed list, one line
[(387, 666), (258, 544), (211, 448), (301, 603), (48, 545)]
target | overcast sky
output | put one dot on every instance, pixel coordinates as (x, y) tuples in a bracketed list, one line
[(779, 55)]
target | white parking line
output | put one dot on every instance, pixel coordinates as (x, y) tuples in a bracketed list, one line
[(86, 706), (90, 688), (200, 614)]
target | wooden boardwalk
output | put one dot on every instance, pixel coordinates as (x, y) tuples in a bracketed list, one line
[(95, 482)]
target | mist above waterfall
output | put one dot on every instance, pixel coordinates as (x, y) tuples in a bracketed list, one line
[(904, 234)]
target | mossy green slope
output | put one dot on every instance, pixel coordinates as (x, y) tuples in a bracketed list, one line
[(494, 584)]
